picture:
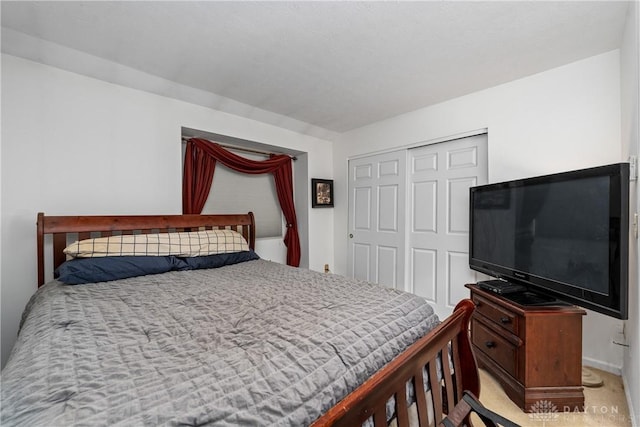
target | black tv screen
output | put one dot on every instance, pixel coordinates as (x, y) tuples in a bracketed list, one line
[(563, 235)]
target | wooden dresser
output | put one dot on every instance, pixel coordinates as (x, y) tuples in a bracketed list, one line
[(534, 352)]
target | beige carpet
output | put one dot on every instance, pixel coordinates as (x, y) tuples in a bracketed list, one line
[(606, 406)]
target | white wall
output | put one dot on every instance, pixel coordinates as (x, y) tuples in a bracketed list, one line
[(77, 145), (630, 101), (563, 119)]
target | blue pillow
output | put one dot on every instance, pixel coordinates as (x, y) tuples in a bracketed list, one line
[(219, 260), (89, 270), (103, 269)]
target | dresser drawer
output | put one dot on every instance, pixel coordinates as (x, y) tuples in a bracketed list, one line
[(497, 348), (497, 314)]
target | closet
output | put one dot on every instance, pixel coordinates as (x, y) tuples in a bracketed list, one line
[(409, 218)]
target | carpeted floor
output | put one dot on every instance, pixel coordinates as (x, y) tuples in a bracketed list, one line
[(605, 406)]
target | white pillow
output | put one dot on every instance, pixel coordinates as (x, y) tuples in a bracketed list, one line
[(183, 244)]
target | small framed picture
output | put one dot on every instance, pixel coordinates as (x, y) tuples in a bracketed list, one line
[(321, 193)]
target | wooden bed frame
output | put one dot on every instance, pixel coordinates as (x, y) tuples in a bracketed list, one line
[(450, 337), (67, 229)]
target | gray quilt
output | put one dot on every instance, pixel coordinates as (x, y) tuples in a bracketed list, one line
[(256, 343)]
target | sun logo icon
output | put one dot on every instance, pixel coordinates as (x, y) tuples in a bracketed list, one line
[(544, 411)]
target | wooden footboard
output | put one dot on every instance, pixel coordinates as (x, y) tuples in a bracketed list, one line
[(370, 399)]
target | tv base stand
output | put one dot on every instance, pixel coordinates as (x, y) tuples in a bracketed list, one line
[(534, 352)]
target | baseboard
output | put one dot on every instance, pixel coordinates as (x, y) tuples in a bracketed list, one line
[(603, 366), (617, 370), (632, 409)]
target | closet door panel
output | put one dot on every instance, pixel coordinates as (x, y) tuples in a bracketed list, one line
[(377, 188), (423, 277), (361, 257), (440, 178), (387, 266), (424, 195), (458, 205)]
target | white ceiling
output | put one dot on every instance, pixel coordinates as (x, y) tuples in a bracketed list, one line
[(332, 66)]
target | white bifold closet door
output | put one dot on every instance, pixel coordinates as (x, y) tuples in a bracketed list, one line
[(409, 218)]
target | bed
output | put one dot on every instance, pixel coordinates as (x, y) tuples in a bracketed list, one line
[(250, 342)]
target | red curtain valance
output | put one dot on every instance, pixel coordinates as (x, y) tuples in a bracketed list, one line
[(199, 166)]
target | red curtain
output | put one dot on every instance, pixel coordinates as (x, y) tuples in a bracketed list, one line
[(199, 165), (198, 177)]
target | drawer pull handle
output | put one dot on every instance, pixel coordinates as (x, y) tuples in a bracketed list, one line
[(505, 320), (490, 344)]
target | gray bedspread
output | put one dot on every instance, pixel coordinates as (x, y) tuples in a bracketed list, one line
[(251, 344)]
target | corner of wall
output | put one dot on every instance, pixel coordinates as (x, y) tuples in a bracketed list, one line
[(630, 89)]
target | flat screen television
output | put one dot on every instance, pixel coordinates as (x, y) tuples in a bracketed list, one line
[(564, 236)]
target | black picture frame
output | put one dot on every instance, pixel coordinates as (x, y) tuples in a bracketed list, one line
[(321, 193)]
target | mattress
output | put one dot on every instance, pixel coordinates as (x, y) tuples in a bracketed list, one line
[(255, 343)]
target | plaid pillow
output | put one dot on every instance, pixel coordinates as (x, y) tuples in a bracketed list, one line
[(184, 244)]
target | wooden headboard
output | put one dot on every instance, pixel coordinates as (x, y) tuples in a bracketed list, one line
[(67, 229)]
